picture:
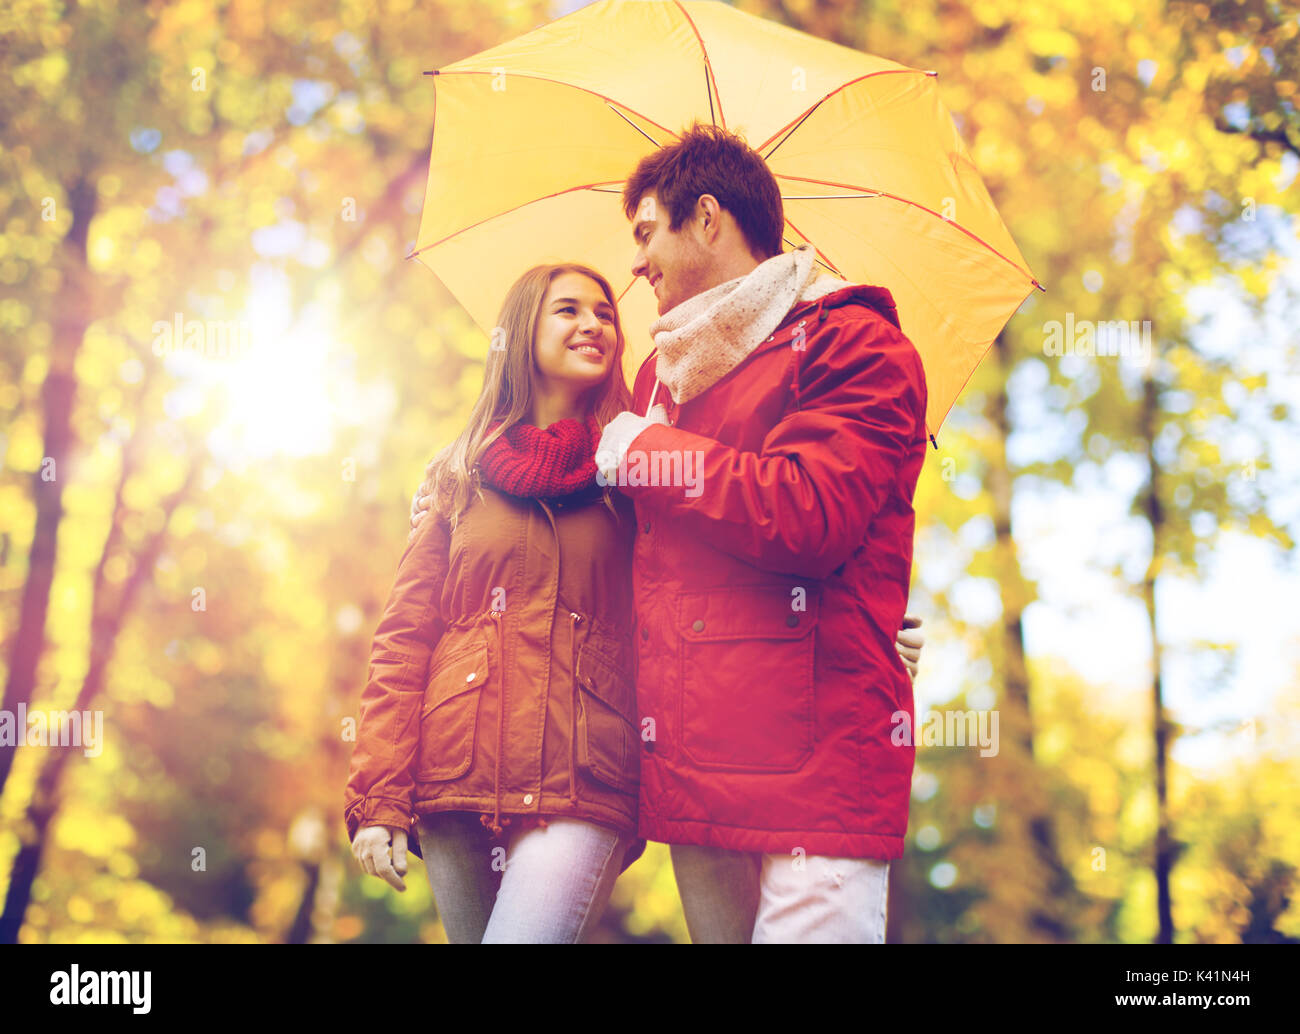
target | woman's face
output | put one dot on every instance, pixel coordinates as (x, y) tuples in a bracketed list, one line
[(574, 347)]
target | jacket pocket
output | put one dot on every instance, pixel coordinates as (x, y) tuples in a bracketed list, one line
[(607, 736), (449, 721), (747, 662)]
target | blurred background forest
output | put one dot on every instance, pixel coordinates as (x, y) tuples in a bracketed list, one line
[(199, 545)]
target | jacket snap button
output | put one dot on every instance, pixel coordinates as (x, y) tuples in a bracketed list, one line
[(649, 746), (646, 527), (698, 626), (528, 798), (470, 676), (792, 620), (645, 633)]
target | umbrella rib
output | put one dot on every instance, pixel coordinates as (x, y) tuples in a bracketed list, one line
[(825, 197), (524, 204), (708, 70), (820, 262), (923, 208), (572, 86), (632, 124), (629, 287), (821, 254), (796, 126), (792, 125)]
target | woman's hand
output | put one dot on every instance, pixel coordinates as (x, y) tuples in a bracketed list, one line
[(910, 642), (370, 847), (419, 508)]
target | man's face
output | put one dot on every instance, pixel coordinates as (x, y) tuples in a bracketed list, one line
[(674, 263)]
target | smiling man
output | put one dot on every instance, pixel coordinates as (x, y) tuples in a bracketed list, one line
[(767, 601)]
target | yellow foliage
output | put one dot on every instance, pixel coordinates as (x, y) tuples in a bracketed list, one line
[(92, 831)]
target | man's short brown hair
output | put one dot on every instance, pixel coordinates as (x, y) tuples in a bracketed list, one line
[(711, 160)]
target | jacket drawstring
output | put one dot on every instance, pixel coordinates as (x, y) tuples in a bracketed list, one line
[(497, 825), (574, 618)]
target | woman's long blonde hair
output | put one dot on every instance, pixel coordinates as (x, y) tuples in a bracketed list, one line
[(507, 392)]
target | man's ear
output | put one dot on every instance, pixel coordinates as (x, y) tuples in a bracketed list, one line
[(709, 214)]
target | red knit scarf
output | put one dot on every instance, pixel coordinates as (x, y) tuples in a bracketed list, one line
[(544, 463)]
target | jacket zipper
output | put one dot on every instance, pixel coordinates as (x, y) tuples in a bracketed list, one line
[(574, 620)]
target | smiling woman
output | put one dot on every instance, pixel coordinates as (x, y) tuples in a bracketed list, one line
[(500, 699)]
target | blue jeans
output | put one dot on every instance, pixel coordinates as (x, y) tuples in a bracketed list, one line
[(738, 897), (540, 886)]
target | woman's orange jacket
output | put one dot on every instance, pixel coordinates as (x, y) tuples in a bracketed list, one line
[(501, 676)]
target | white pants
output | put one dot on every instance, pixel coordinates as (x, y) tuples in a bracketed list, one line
[(736, 897)]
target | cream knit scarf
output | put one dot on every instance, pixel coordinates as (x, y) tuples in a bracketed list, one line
[(701, 340)]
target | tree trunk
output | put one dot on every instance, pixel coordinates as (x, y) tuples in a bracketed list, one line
[(107, 617), (1164, 854), (303, 926), (1051, 915), (71, 318)]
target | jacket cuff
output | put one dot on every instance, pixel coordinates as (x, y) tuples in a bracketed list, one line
[(377, 811)]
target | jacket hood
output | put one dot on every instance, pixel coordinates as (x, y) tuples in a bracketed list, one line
[(876, 298)]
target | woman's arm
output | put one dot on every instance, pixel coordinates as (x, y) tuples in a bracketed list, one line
[(380, 782)]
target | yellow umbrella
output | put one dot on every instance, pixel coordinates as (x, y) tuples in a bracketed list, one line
[(533, 140)]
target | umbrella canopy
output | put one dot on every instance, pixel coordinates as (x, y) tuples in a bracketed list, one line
[(534, 139)]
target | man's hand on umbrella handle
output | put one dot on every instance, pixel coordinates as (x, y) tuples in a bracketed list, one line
[(910, 641), (370, 848)]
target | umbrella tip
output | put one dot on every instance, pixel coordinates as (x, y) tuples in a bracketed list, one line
[(934, 443), (434, 72), (932, 73)]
